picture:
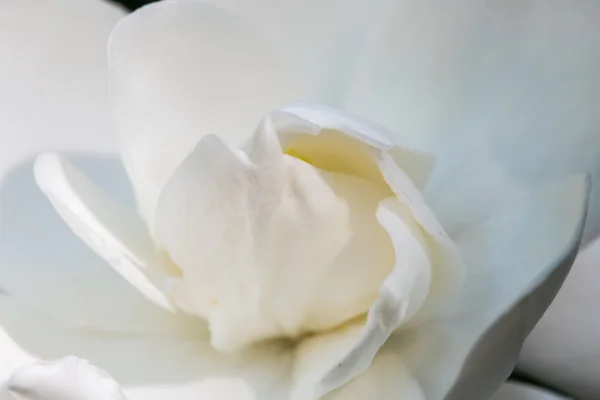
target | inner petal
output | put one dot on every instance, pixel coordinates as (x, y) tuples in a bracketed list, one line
[(315, 260)]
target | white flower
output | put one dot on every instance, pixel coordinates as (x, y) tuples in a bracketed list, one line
[(320, 228)]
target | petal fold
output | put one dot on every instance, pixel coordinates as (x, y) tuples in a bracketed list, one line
[(516, 262), (69, 378), (506, 93), (106, 226), (181, 70)]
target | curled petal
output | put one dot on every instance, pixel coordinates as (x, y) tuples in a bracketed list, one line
[(106, 226), (69, 378), (517, 261), (428, 273)]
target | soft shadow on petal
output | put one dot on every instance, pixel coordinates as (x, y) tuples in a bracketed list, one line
[(338, 141), (516, 262), (109, 227), (69, 378), (148, 367), (516, 80), (522, 391), (46, 268), (563, 351), (181, 70)]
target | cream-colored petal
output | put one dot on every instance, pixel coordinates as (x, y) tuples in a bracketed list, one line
[(106, 226), (262, 238), (181, 70), (386, 379), (517, 261), (296, 123), (69, 378), (506, 93), (428, 273)]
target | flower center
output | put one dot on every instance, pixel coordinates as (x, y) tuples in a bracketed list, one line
[(305, 258)]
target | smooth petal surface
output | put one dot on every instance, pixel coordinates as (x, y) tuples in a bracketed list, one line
[(321, 38), (181, 70), (521, 391), (69, 378), (261, 243), (53, 77), (429, 270), (516, 262), (387, 378), (109, 228), (53, 91), (146, 366), (563, 350), (506, 93), (72, 286)]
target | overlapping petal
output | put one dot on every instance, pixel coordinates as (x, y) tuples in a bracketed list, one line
[(147, 367), (505, 93), (69, 378), (53, 91), (510, 256), (523, 391), (322, 39), (516, 262), (181, 70)]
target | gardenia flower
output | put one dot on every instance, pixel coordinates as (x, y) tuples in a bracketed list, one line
[(329, 256)]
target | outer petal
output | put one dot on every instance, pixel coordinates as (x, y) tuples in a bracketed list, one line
[(505, 92), (181, 70), (147, 367), (517, 261), (563, 351), (321, 38), (34, 242), (53, 77), (109, 228), (69, 378), (520, 391)]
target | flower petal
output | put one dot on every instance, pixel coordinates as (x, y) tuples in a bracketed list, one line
[(521, 391), (106, 226), (362, 149), (386, 379), (262, 237), (147, 367), (353, 145), (53, 85), (69, 378), (35, 242), (181, 70), (505, 92), (516, 262), (325, 52), (563, 350), (295, 121)]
